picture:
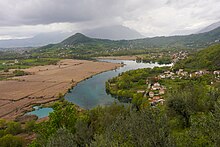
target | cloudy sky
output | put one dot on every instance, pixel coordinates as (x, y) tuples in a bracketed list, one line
[(26, 18)]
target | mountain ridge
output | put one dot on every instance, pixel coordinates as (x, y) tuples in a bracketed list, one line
[(81, 46), (201, 39), (210, 27), (114, 32)]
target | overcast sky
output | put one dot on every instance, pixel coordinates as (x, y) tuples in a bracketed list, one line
[(25, 18)]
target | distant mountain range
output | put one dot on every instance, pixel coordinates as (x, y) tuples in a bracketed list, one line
[(119, 36), (116, 32), (210, 27), (188, 41), (36, 41), (80, 45)]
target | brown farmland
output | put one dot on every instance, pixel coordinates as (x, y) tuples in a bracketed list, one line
[(45, 83)]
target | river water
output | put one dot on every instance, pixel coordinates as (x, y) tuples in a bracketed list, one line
[(91, 92)]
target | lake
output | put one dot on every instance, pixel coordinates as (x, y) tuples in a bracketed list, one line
[(40, 112), (91, 92)]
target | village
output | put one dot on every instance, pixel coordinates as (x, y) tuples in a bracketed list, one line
[(155, 91)]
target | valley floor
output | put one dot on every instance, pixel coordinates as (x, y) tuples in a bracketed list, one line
[(45, 84)]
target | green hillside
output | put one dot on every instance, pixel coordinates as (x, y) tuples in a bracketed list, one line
[(79, 38), (83, 46), (208, 58), (188, 41)]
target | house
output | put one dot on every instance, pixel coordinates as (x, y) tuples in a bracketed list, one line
[(173, 78), (180, 70), (154, 102), (156, 97), (155, 87), (16, 61), (166, 72), (161, 101), (198, 73), (151, 94), (216, 72), (162, 76), (149, 85), (161, 91), (168, 76), (157, 84), (184, 73)]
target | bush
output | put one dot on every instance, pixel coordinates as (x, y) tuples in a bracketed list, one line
[(3, 124), (19, 73), (62, 137), (30, 126), (11, 141), (2, 133), (13, 128)]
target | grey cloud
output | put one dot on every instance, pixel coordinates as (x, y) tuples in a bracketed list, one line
[(32, 12), (155, 17)]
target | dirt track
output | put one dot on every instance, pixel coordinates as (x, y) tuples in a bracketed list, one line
[(45, 84)]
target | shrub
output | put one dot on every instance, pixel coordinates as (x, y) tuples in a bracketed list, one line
[(19, 73), (11, 141), (13, 128), (29, 126)]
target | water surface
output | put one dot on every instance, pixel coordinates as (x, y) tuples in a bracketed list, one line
[(91, 92), (40, 112)]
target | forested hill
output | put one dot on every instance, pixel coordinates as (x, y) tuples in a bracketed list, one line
[(79, 38), (189, 41), (208, 58)]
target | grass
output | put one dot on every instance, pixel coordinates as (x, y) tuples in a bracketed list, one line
[(27, 63), (5, 65)]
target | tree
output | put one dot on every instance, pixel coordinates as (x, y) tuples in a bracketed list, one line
[(30, 126), (143, 128), (13, 128), (186, 101), (62, 138), (64, 116)]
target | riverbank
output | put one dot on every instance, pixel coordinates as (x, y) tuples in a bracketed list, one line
[(45, 84)]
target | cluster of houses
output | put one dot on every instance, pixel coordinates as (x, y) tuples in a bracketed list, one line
[(180, 74), (173, 75), (154, 93), (179, 56)]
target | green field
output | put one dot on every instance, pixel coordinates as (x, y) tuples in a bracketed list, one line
[(26, 63)]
